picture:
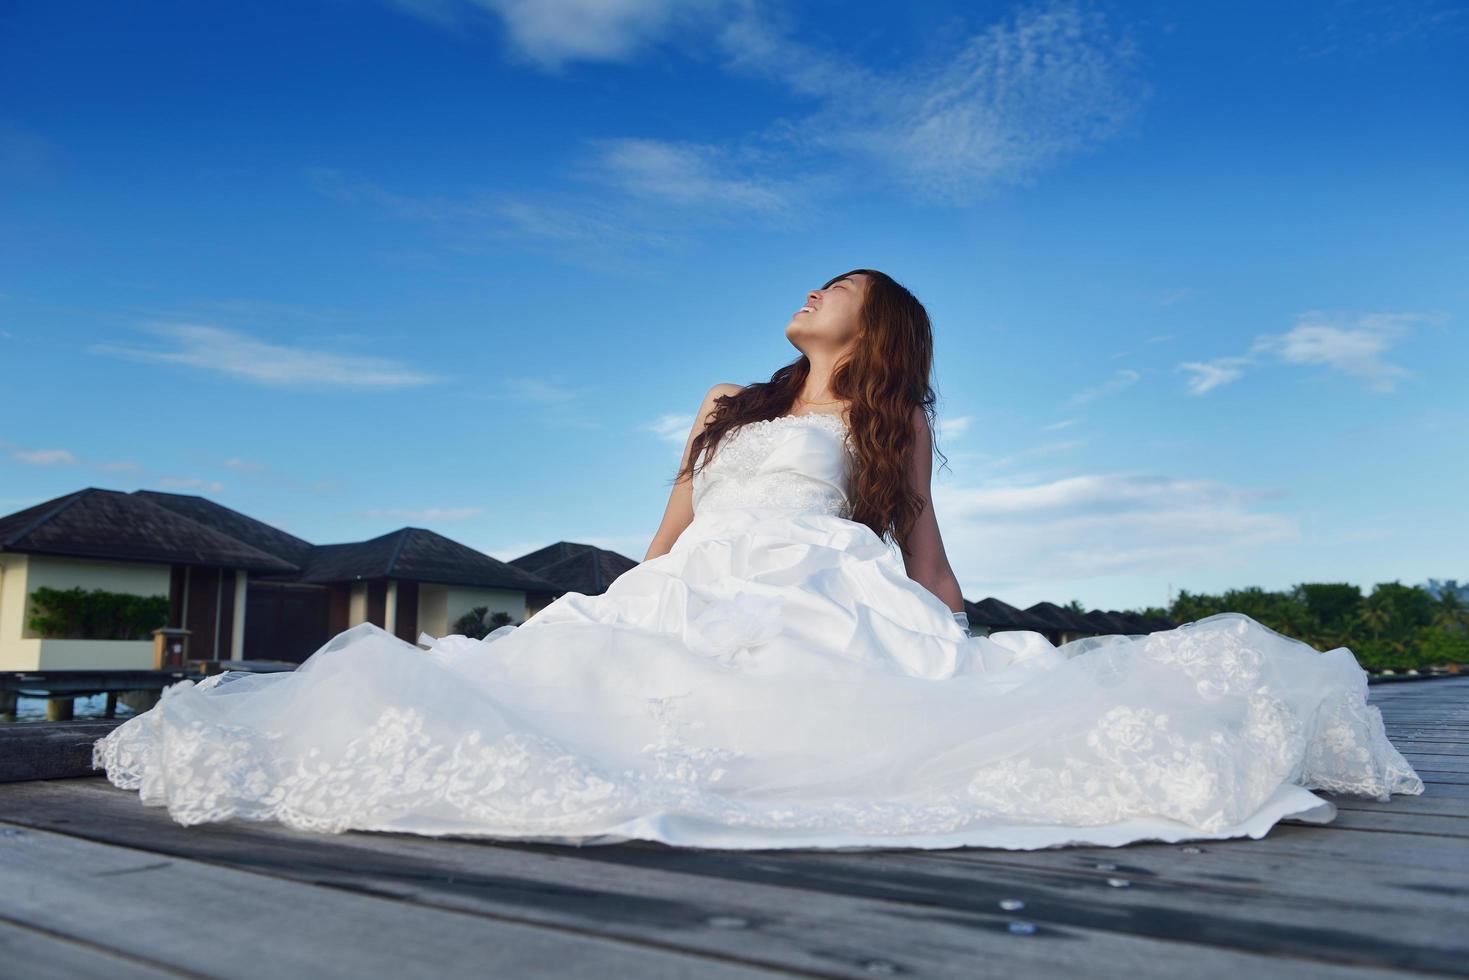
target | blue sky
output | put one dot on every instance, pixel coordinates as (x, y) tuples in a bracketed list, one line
[(1198, 273)]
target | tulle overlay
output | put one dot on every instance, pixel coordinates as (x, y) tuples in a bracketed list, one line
[(775, 680)]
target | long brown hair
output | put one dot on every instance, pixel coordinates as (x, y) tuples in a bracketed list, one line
[(883, 379)]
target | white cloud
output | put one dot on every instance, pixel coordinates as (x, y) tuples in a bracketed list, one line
[(241, 356), (1049, 81), (995, 106), (1063, 424), (955, 426), (685, 174), (553, 33), (1208, 375), (672, 427), (1358, 350), (243, 465), (1003, 535)]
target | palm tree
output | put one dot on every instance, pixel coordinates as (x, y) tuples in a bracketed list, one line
[(1374, 616), (479, 622), (1452, 613)]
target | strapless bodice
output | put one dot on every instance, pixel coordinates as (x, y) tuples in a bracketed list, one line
[(800, 462)]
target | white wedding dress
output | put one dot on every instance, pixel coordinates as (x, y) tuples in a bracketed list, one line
[(775, 680)]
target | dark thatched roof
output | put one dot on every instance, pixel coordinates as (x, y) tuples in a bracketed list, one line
[(110, 524), (998, 615), (1107, 622), (416, 554), (576, 567), (241, 527), (1060, 618)]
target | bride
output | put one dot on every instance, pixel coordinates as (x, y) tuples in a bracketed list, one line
[(772, 675)]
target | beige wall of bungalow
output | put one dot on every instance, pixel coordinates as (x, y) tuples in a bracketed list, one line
[(22, 649)]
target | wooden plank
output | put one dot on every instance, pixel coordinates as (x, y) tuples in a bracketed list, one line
[(882, 906), (1437, 746), (1436, 804), (1437, 761), (90, 892), (50, 750), (1435, 776), (41, 955)]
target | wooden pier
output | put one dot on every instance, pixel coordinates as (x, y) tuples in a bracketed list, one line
[(92, 883)]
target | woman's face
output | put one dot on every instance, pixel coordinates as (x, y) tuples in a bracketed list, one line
[(829, 316)]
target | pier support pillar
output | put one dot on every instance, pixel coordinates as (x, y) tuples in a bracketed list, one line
[(139, 701)]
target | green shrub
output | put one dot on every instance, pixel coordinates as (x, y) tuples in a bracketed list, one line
[(76, 614), (1397, 626)]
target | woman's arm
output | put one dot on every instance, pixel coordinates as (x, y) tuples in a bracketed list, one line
[(680, 510), (926, 562)]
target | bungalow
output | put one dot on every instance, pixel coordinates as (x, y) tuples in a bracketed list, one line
[(993, 616), (575, 567), (121, 542), (1062, 625), (244, 589)]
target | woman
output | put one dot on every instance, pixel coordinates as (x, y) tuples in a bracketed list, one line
[(772, 675)]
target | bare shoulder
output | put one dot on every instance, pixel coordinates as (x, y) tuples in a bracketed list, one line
[(711, 400)]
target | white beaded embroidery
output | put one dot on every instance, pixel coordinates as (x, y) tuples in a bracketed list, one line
[(733, 477)]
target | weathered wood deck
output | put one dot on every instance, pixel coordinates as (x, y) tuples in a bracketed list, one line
[(93, 883)]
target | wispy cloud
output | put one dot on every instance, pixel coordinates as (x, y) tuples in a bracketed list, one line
[(1009, 534), (687, 175), (1063, 424), (537, 390), (955, 426), (245, 358), (590, 230), (996, 106), (1043, 449), (1121, 378), (65, 457), (672, 427), (243, 465), (190, 483), (551, 34), (45, 457), (1051, 80), (1357, 348), (1362, 28), (1208, 375)]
